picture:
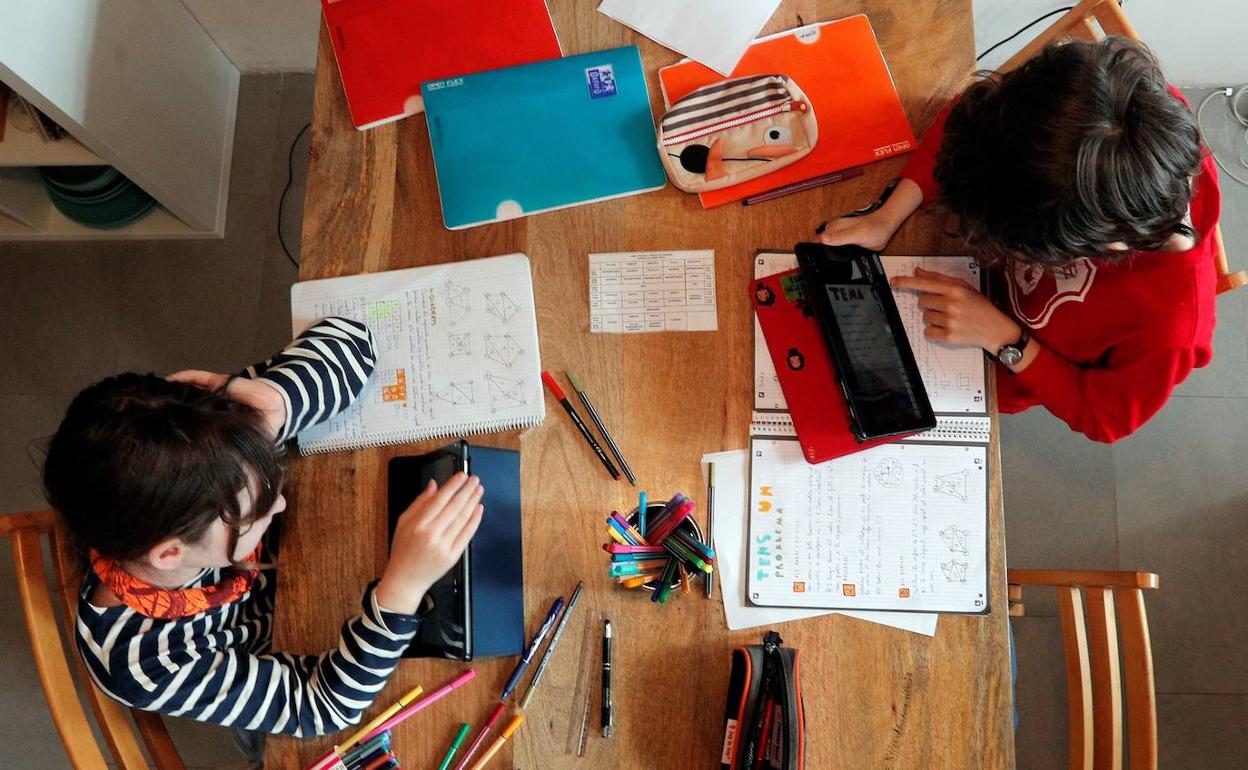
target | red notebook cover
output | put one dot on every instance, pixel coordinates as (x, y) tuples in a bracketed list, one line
[(805, 369), (840, 67), (386, 48)]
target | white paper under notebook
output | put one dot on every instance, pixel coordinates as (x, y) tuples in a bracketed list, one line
[(713, 32), (456, 348), (900, 527)]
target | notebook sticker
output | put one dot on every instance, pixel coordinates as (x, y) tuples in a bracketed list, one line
[(601, 81)]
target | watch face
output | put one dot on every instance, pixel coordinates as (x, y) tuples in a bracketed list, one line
[(1010, 355)]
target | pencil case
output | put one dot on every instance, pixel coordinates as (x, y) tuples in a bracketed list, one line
[(764, 716), (734, 130)]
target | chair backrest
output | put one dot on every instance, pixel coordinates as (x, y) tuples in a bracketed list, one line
[(1092, 20), (1097, 610), (27, 531)]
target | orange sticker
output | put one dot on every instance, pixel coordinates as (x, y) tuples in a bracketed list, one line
[(849, 589), (799, 588), (397, 391), (904, 593)]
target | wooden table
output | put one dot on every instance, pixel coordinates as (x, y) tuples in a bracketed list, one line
[(875, 697)]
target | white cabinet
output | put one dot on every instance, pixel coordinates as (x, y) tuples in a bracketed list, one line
[(140, 86)]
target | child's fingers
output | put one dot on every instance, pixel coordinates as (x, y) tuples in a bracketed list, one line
[(933, 302), (464, 536), (455, 508), (935, 318), (927, 285), (938, 276), (199, 378), (447, 491)]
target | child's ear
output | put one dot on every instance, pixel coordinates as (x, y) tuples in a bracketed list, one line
[(167, 554)]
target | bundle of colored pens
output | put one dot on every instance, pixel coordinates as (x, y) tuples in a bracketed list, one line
[(372, 754), (659, 547)]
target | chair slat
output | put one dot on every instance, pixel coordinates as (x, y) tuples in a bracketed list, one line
[(1078, 677), (1114, 21), (1083, 29), (109, 714), (45, 641), (1106, 578), (1059, 30), (1137, 656), (1106, 678)]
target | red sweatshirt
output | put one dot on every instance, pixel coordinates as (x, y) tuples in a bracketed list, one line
[(1116, 337)]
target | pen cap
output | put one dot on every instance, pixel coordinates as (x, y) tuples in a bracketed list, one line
[(554, 386), (689, 527)]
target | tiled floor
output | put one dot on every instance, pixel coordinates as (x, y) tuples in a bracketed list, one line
[(1170, 499)]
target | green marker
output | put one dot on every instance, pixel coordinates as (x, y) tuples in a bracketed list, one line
[(459, 741)]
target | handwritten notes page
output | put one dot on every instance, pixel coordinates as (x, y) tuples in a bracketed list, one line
[(456, 351), (656, 291), (955, 378), (896, 527)]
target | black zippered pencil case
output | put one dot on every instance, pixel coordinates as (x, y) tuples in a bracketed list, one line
[(764, 716)]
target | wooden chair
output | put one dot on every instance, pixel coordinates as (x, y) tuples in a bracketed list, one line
[(1095, 675), (1092, 20), (26, 531)]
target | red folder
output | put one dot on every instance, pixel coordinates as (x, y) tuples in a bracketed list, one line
[(387, 48), (805, 369)]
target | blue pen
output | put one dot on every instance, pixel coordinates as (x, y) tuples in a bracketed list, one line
[(532, 649), (641, 514)]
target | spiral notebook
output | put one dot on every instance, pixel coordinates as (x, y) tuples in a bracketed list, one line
[(456, 349), (899, 527)]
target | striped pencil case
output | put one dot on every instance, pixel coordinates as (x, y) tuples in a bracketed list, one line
[(765, 719), (734, 130)]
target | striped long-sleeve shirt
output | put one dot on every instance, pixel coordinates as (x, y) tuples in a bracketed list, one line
[(217, 666)]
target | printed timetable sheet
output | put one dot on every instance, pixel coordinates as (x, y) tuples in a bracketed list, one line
[(652, 291)]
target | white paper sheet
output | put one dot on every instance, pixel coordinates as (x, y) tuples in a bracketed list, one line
[(732, 469), (713, 32), (652, 291)]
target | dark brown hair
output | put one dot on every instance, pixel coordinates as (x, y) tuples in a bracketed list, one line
[(139, 459), (1080, 147)]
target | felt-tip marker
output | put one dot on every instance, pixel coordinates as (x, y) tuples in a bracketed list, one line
[(559, 395)]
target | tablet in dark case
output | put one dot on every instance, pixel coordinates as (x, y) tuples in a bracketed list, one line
[(853, 302), (446, 612)]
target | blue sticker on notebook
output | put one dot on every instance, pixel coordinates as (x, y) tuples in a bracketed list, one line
[(601, 81)]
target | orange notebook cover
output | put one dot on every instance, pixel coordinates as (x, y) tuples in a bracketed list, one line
[(840, 67), (386, 48)]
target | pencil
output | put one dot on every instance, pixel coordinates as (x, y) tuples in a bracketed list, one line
[(459, 741), (593, 415), (554, 642), (710, 522), (802, 186), (562, 398), (498, 742), (383, 716)]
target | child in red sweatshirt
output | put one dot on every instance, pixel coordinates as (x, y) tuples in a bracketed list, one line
[(1082, 178)]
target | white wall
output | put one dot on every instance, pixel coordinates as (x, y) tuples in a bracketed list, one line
[(263, 35), (1199, 42)]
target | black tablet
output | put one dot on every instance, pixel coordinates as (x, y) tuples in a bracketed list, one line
[(446, 611), (849, 293)]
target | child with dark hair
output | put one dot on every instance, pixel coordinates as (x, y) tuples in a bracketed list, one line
[(1082, 179), (169, 486)]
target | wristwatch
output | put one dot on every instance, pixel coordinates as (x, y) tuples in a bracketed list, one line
[(1013, 353)]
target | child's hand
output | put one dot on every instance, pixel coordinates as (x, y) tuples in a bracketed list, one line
[(429, 538), (259, 395), (870, 232), (957, 314)]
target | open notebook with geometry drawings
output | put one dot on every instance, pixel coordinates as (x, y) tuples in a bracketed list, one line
[(456, 351), (899, 527)]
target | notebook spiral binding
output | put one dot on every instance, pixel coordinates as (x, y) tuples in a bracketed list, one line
[(970, 428), (474, 428)]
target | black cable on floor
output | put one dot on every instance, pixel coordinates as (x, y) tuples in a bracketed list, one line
[(281, 202)]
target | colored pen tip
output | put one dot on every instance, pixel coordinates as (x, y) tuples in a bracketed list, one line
[(576, 384), (554, 386)]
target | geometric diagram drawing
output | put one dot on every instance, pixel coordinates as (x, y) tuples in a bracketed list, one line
[(955, 539), (501, 305), (955, 571), (458, 300), (460, 344), (953, 484), (889, 473), (505, 392), (502, 349), (456, 393), (397, 391)]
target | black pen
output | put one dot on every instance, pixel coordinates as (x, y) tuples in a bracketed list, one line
[(559, 395), (710, 523), (593, 415), (608, 716)]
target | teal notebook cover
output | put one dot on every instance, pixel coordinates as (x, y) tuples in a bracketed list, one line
[(536, 137)]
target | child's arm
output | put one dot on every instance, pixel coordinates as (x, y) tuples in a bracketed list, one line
[(215, 667)]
